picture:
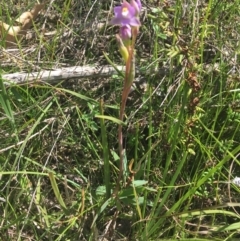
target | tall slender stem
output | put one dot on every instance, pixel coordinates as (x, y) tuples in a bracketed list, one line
[(129, 76)]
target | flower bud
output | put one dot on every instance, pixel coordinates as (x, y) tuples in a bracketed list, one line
[(122, 49), (125, 32), (137, 5)]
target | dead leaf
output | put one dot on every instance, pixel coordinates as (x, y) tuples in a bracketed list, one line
[(11, 34), (8, 33)]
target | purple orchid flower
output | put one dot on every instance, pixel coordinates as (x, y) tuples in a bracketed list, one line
[(126, 14)]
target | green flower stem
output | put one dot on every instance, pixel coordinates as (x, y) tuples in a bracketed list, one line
[(129, 77)]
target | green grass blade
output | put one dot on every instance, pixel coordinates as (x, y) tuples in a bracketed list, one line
[(105, 154), (56, 190)]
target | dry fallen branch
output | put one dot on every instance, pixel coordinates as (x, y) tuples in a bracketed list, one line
[(54, 76), (9, 35), (77, 72)]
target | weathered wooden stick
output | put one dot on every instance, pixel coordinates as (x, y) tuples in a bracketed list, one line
[(54, 76)]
